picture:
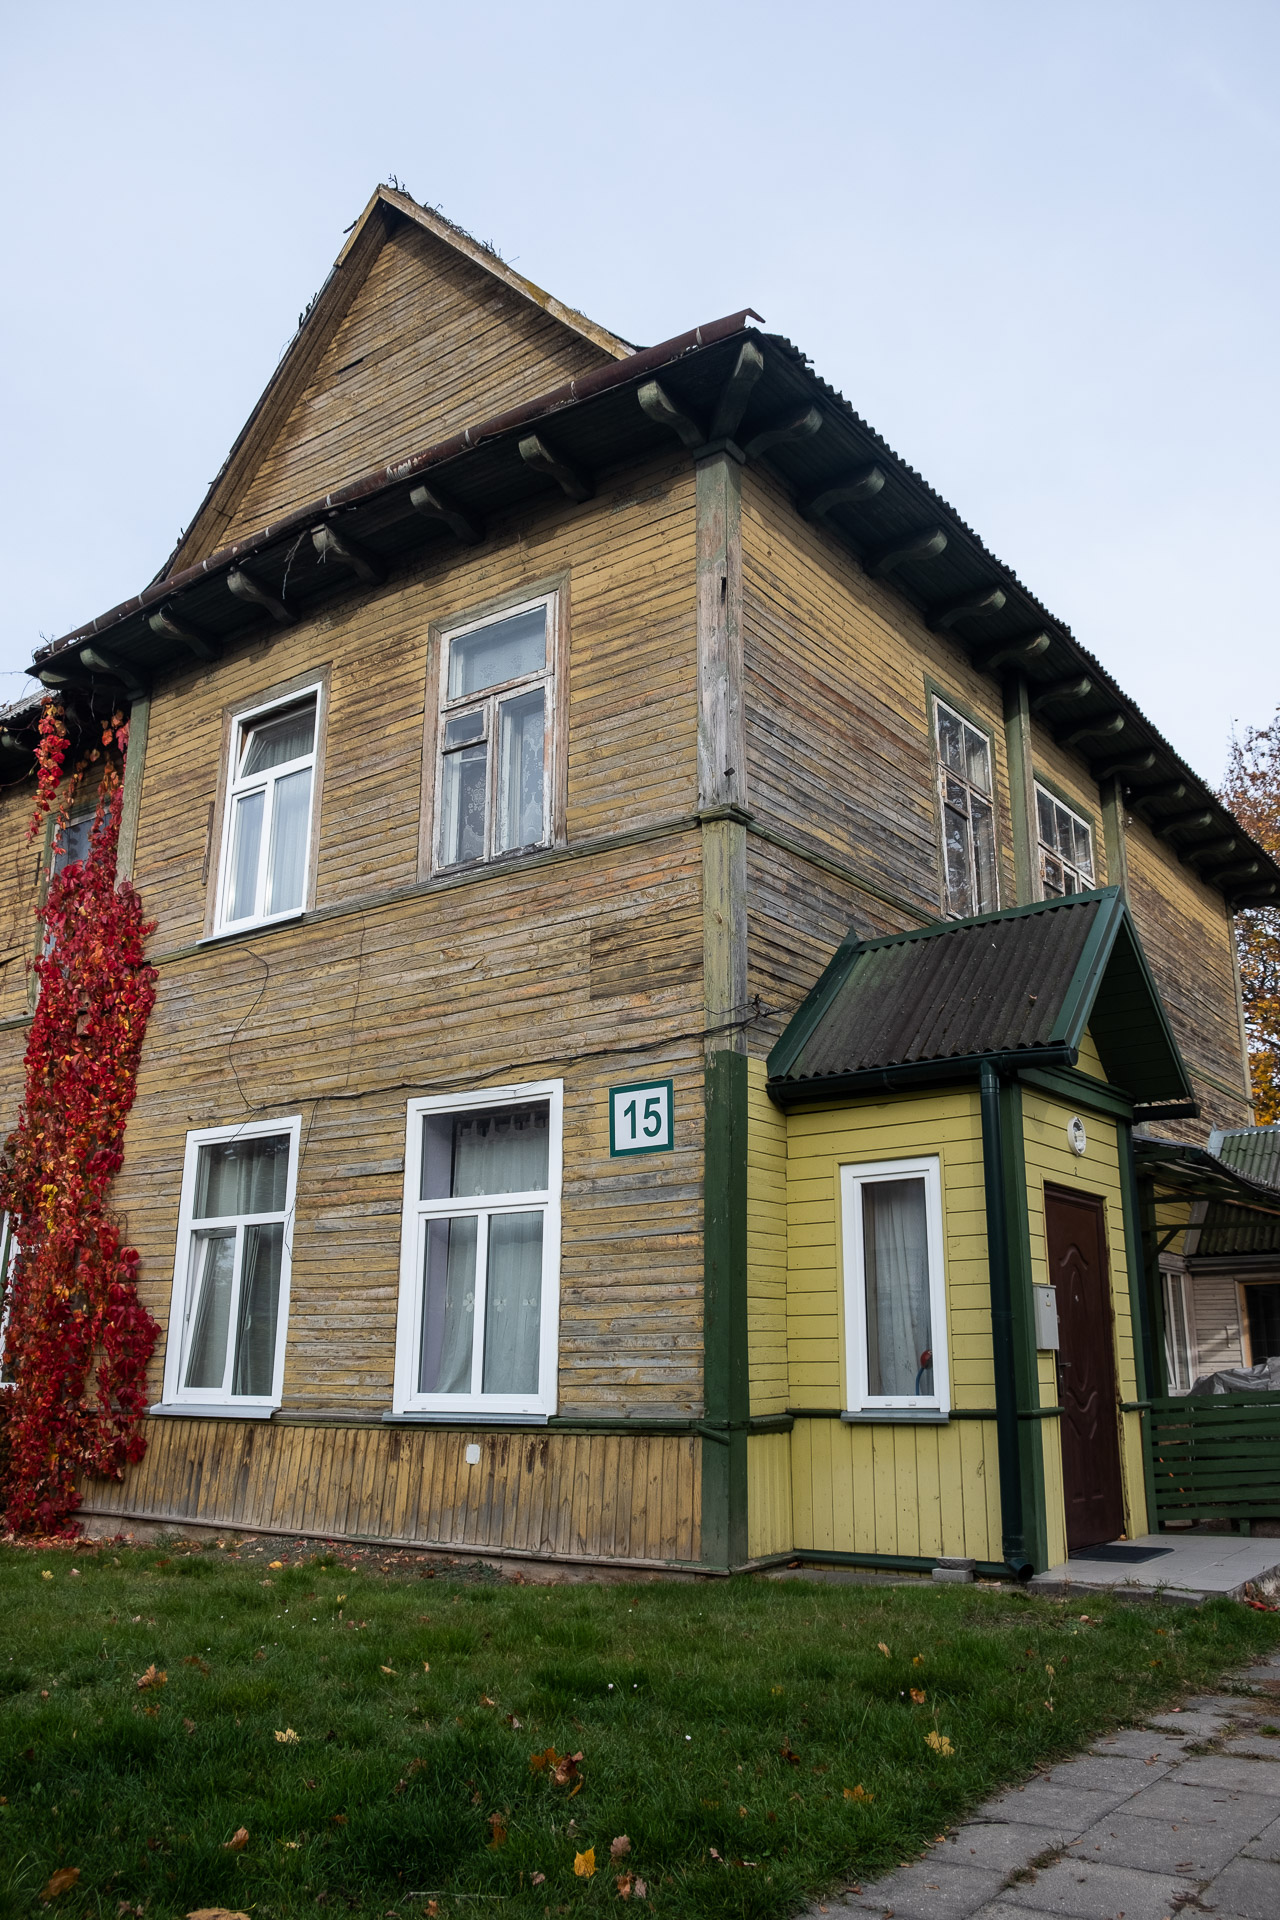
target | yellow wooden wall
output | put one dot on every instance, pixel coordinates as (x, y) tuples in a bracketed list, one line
[(622, 1497), (770, 1527), (872, 1487), (1050, 1158), (766, 1246)]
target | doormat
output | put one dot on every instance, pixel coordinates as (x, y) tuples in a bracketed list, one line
[(1129, 1556)]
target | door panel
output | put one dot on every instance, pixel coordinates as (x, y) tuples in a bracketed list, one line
[(1075, 1230)]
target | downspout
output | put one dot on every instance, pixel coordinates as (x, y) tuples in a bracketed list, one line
[(1002, 1330)]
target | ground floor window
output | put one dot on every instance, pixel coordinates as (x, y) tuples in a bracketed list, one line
[(894, 1290), (480, 1253), (231, 1279), (1177, 1337)]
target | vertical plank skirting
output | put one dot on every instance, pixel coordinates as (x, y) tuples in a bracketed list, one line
[(633, 1498)]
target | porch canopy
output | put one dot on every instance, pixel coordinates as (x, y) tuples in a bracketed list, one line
[(1017, 989)]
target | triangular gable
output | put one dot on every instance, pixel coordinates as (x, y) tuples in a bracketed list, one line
[(417, 331), (1024, 984)]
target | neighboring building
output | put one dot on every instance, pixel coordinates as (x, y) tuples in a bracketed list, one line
[(522, 724)]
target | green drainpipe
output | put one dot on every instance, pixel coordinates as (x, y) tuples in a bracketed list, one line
[(1003, 1331)]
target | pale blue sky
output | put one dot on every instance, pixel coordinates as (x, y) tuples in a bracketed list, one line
[(1034, 244)]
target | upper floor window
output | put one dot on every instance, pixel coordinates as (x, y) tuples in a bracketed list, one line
[(266, 839), (895, 1297), (1066, 848), (968, 815), (231, 1279), (71, 842), (496, 701), (479, 1287)]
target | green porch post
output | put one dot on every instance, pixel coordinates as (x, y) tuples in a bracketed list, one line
[(726, 1384)]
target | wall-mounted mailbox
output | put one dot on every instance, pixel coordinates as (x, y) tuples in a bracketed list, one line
[(1046, 1301)]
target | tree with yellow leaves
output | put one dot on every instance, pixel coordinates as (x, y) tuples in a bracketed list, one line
[(1252, 791)]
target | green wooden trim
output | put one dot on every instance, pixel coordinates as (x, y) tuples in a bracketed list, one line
[(1078, 1090), (1017, 752), (889, 1562), (1003, 1337), (1035, 1526), (1113, 834), (726, 1390), (131, 800), (1149, 1367)]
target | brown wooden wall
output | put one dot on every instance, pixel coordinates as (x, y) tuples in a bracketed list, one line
[(633, 1498)]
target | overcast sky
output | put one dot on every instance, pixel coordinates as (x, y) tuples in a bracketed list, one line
[(1033, 243)]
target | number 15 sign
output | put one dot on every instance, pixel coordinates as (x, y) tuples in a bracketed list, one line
[(640, 1118)]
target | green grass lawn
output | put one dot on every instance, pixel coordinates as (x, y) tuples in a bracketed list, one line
[(724, 1728)]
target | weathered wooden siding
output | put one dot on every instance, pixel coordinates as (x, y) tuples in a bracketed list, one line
[(917, 1491), (1050, 1158), (20, 867), (430, 344), (599, 1496), (1063, 771), (1186, 935), (770, 1528), (766, 1246)]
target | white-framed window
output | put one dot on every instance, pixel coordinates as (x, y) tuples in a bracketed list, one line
[(1177, 1333), (478, 1324), (8, 1257), (894, 1287), (965, 791), (266, 833), (1066, 848), (230, 1306), (71, 842), (496, 734)]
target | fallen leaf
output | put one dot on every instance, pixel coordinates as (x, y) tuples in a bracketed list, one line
[(293, 1845), (624, 1882), (194, 1660), (338, 1819), (288, 1738), (275, 1564), (238, 1841), (487, 1700), (882, 1648), (204, 1913), (499, 1830), (918, 1695), (46, 1575), (65, 1877), (788, 1753), (938, 1741), (918, 1660), (536, 1879), (858, 1793), (390, 1670), (342, 1596), (565, 1769), (431, 1909), (153, 1677), (619, 1848), (775, 1690), (426, 1666), (584, 1864), (190, 1725), (640, 1888), (266, 1583), (513, 1722)]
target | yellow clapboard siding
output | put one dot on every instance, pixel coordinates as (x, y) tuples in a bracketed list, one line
[(873, 1488), (770, 1528)]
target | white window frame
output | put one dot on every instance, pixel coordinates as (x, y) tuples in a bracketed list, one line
[(211, 1400), (247, 717), (490, 700), (853, 1180), (941, 706), (1179, 1353), (407, 1401), (9, 1251), (1039, 788)]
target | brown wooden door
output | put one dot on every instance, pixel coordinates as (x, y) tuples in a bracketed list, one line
[(1075, 1229)]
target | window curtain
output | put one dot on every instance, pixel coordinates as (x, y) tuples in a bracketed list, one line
[(513, 1303), (448, 1306), (502, 1151), (290, 820), (259, 1310), (284, 737), (243, 1176), (896, 1268), (213, 1262)]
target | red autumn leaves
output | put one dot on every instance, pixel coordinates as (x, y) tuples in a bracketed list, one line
[(78, 1339)]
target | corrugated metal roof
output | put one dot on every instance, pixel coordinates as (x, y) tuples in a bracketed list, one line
[(1253, 1151), (1020, 982)]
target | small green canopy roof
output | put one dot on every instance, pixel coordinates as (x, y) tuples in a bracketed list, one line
[(1023, 984)]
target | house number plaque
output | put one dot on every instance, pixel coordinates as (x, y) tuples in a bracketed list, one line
[(640, 1118)]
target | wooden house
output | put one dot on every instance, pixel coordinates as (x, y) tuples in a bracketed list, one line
[(664, 945)]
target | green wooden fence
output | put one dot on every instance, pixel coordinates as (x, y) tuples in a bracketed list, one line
[(1216, 1456)]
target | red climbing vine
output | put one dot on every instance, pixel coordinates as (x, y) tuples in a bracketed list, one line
[(78, 1339)]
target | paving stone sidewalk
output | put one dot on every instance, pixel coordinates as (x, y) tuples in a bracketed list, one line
[(1181, 1814)]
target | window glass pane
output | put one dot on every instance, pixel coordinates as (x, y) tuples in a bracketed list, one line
[(72, 842), (242, 1176), (520, 745), (498, 1150), (1084, 852), (955, 831), (463, 728), (977, 759), (1044, 817), (246, 840), (212, 1256), (259, 1307), (1052, 877), (448, 1306), (465, 781), (984, 853), (513, 1303), (896, 1264), (491, 655), (279, 738), (950, 749), (290, 824)]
